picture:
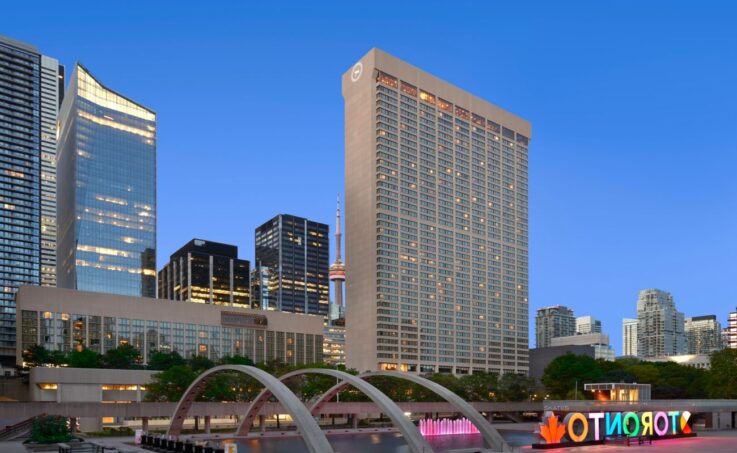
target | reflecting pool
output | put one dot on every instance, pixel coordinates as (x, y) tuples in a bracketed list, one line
[(379, 443)]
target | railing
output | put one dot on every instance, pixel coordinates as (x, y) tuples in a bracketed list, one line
[(86, 447), (694, 405), (13, 431), (163, 445)]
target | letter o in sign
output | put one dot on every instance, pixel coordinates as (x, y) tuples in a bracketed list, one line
[(584, 423)]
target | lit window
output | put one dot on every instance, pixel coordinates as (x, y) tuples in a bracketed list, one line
[(493, 127), (445, 105), (409, 89), (463, 113), (388, 80), (427, 97)]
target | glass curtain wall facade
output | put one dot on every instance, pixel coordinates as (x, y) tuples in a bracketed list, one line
[(107, 191), (436, 224), (57, 331), (31, 87), (295, 255), (206, 272)]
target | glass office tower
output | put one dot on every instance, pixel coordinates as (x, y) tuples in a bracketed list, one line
[(293, 262), (107, 191), (31, 87)]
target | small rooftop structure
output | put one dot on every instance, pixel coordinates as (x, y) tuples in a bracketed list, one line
[(620, 391)]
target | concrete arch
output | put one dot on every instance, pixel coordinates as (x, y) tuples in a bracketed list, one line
[(311, 433), (490, 434), (417, 443)]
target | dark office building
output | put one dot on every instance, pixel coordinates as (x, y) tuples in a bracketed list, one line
[(31, 88), (208, 273), (293, 262)]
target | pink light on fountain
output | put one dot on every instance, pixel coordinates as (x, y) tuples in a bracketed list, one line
[(445, 426)]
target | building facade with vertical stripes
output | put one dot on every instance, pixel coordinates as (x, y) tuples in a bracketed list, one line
[(206, 272), (292, 265), (31, 88), (436, 224)]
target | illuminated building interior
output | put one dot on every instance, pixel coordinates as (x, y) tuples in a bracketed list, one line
[(107, 191)]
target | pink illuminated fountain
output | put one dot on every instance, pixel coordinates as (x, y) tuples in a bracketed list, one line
[(445, 426)]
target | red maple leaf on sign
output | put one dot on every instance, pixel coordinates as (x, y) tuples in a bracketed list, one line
[(552, 432)]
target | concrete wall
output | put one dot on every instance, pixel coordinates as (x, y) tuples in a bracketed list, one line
[(77, 385)]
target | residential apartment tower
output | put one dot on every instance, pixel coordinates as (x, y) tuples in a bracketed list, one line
[(553, 322), (31, 88), (660, 327), (629, 337), (703, 334)]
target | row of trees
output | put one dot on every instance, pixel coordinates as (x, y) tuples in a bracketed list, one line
[(125, 357), (177, 373), (561, 378), (669, 380), (169, 385)]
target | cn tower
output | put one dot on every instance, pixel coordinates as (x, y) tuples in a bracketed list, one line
[(337, 269)]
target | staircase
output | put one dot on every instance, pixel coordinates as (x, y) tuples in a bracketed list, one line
[(17, 431)]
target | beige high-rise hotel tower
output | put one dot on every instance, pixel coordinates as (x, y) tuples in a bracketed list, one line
[(436, 224)]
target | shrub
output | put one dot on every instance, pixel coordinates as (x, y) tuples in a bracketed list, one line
[(49, 429)]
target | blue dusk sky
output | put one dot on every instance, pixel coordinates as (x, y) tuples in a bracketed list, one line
[(633, 104)]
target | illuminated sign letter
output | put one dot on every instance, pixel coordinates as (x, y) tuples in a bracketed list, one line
[(625, 424), (660, 431), (647, 424), (673, 422), (596, 417), (570, 420), (611, 425), (685, 429)]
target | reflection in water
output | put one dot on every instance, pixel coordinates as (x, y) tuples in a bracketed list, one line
[(379, 443)]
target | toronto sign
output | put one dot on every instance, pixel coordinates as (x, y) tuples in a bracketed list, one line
[(596, 426)]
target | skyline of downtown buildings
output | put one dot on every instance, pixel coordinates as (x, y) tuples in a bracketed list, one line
[(145, 257)]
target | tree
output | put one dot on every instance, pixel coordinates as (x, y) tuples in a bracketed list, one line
[(200, 363), (159, 360), (124, 357), (84, 358), (170, 385), (236, 360), (448, 381), (566, 372), (646, 373), (722, 379), (479, 386), (49, 429), (515, 387), (220, 388), (37, 355)]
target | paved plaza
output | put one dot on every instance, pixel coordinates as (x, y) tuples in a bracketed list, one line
[(706, 442)]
